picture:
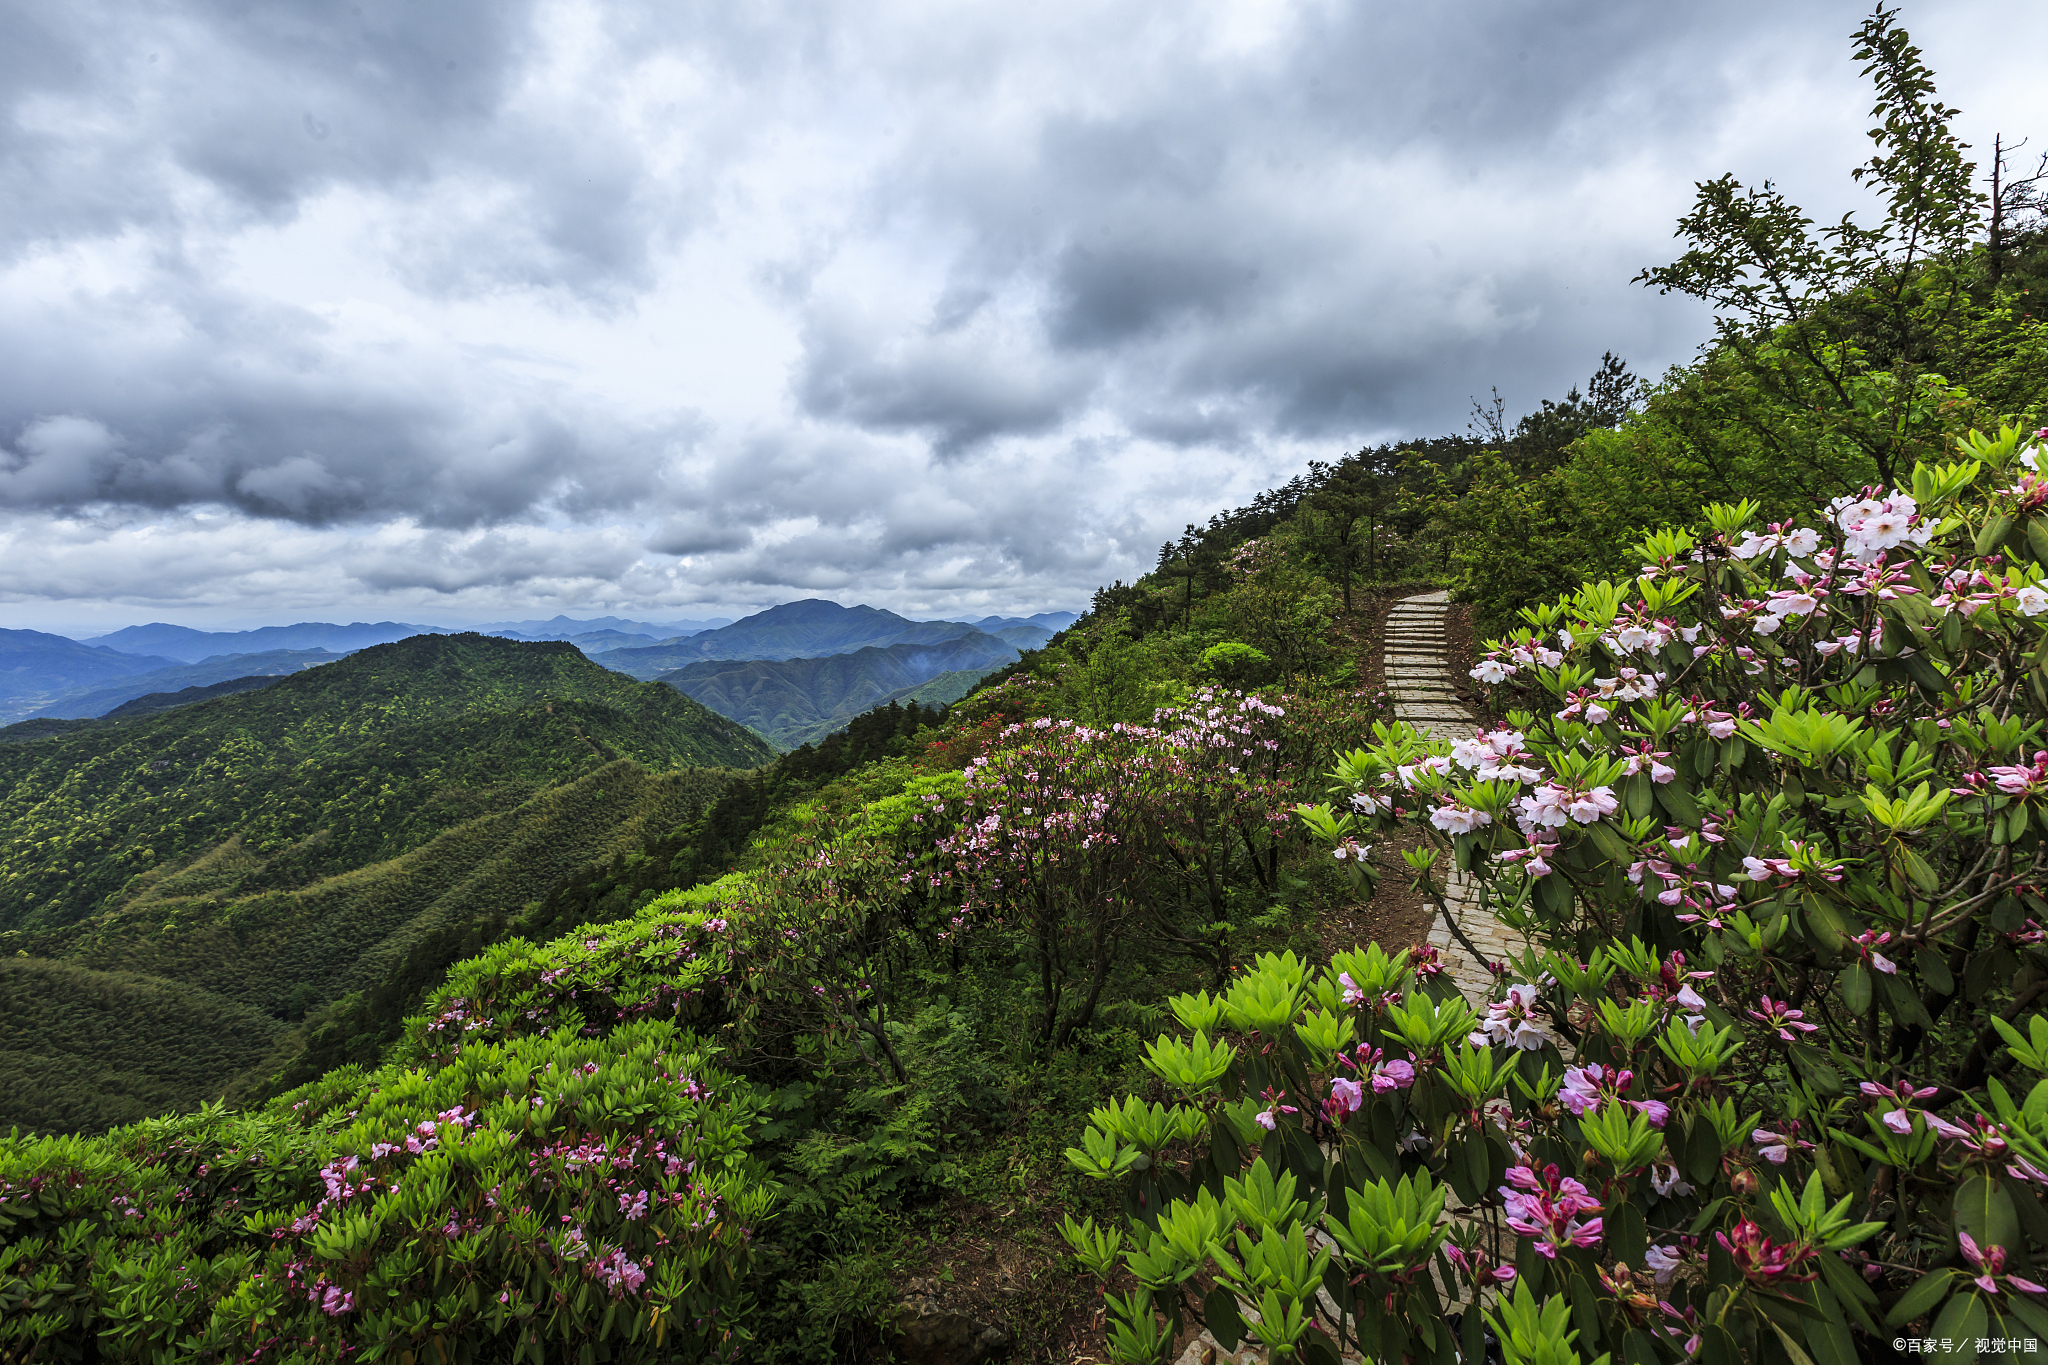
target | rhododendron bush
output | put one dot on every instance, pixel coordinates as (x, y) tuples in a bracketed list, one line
[(551, 1198), (1767, 1083), (1089, 842)]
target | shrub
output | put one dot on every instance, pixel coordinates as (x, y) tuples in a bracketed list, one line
[(542, 1199), (1236, 665)]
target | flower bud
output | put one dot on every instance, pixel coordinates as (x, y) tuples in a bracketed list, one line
[(1745, 1183)]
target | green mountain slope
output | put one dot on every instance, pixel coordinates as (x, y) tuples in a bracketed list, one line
[(325, 771), (82, 1050), (360, 948), (152, 702), (794, 630), (796, 701)]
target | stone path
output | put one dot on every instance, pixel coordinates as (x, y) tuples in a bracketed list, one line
[(1419, 676), (1418, 672)]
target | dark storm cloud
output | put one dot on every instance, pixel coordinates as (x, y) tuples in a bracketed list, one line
[(265, 103), (1256, 235)]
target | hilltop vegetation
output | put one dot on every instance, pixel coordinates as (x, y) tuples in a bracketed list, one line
[(241, 986), (185, 887)]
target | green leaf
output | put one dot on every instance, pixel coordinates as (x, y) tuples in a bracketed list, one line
[(1905, 1002), (1993, 534), (1627, 1236), (1610, 843), (1855, 981), (1702, 1151), (1792, 1348), (2037, 539), (1678, 802), (1818, 1073), (2030, 1313), (1220, 1315), (1830, 1342), (1585, 1309), (1920, 1299), (1717, 1347), (1706, 1217), (1961, 1323), (1984, 1210), (1934, 970)]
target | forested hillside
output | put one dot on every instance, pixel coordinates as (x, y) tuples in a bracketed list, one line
[(1095, 1018), (178, 889)]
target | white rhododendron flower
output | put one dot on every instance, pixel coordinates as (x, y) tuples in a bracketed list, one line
[(1459, 819), (2031, 600)]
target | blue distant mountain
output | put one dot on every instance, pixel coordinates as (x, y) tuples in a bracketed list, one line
[(36, 668), (1051, 622), (800, 701), (795, 630), (574, 629), (85, 703), (190, 646)]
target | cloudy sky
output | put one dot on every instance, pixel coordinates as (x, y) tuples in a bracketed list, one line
[(449, 310)]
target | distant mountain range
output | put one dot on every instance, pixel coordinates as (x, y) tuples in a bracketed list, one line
[(190, 646), (800, 701), (571, 628), (202, 677), (815, 628), (45, 676), (36, 668)]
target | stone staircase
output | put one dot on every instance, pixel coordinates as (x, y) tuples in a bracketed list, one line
[(1419, 676), (1418, 672)]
